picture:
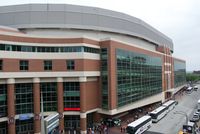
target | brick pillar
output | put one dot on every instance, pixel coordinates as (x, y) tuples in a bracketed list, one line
[(60, 104), (83, 123), (11, 105), (83, 93), (36, 100), (112, 93), (83, 104)]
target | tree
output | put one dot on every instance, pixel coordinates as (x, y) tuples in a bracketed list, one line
[(192, 77)]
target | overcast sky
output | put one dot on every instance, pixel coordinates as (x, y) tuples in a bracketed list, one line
[(178, 19)]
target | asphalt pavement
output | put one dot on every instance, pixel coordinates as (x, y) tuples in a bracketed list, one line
[(172, 123)]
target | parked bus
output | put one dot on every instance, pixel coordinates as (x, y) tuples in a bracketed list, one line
[(158, 113), (169, 105), (140, 125), (198, 104)]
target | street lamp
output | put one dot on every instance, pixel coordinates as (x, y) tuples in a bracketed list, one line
[(42, 115), (182, 113)]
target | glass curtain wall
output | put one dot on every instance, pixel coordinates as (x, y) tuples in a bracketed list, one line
[(72, 122), (71, 95), (45, 49), (179, 73), (3, 127), (138, 76), (3, 100), (49, 92), (24, 126), (104, 77), (24, 98)]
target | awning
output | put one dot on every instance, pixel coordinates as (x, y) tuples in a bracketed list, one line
[(174, 90)]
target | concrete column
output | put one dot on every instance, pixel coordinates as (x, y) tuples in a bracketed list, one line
[(11, 105), (36, 100), (60, 104), (83, 123), (83, 103)]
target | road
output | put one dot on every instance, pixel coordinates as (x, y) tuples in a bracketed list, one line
[(172, 123)]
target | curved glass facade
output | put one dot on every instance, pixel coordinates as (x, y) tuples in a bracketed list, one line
[(138, 76), (179, 73)]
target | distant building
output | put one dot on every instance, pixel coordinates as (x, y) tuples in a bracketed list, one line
[(87, 62), (196, 72)]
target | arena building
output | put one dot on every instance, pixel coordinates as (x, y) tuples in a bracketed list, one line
[(85, 63)]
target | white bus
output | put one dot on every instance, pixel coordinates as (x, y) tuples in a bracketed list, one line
[(198, 104), (158, 113), (140, 125), (51, 123), (169, 105)]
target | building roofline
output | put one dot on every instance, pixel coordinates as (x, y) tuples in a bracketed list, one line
[(79, 17)]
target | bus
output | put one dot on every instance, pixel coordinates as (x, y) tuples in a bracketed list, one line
[(51, 123), (158, 114), (140, 125), (169, 105), (198, 104)]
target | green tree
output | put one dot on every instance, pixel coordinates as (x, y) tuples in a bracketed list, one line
[(192, 77)]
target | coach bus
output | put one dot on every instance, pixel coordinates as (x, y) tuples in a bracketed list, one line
[(158, 114), (140, 125), (198, 104), (169, 105)]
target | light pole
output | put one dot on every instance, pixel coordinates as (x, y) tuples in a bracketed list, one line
[(182, 113), (42, 115)]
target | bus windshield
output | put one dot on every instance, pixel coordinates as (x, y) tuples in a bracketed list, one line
[(153, 116), (130, 130)]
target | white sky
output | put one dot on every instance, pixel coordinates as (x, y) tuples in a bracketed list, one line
[(178, 19)]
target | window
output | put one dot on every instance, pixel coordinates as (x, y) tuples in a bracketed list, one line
[(43, 49), (23, 65), (70, 65), (104, 77), (24, 126), (8, 48), (71, 94), (49, 92), (47, 65), (24, 98), (2, 47), (3, 101), (3, 127), (26, 48), (1, 64)]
